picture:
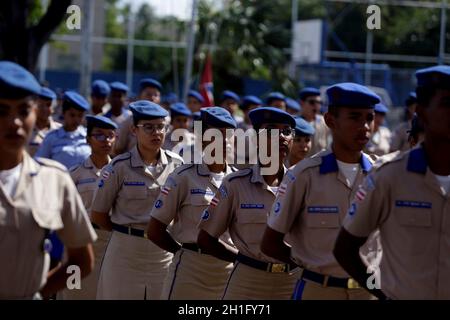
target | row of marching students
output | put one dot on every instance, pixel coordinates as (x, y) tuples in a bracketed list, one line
[(215, 233)]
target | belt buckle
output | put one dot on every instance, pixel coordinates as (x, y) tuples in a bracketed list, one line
[(277, 267), (352, 284)]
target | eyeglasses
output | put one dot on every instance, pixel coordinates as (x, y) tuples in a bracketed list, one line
[(150, 128), (287, 132), (102, 137)]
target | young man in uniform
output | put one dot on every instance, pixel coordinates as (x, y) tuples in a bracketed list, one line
[(180, 117), (407, 198), (133, 267), (302, 142), (100, 91), (68, 144), (242, 206), (149, 90), (311, 103), (195, 101), (188, 191), (380, 139), (400, 135), (44, 120), (36, 197), (316, 195), (292, 107), (117, 99), (101, 134)]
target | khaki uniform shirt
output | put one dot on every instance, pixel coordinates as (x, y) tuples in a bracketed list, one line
[(85, 178), (45, 199), (379, 143), (241, 206), (311, 204), (399, 139), (128, 187), (187, 192), (403, 198), (321, 138)]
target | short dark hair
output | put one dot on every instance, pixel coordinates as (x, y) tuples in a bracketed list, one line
[(333, 110)]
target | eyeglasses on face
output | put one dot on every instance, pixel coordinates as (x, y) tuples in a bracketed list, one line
[(102, 137)]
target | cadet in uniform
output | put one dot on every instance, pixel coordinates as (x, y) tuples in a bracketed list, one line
[(180, 117), (44, 120), (27, 211), (292, 106), (100, 91), (248, 104), (68, 145), (277, 100), (314, 197), (195, 101), (242, 206), (310, 103), (188, 191), (407, 197), (101, 134), (302, 142), (230, 101), (380, 139), (150, 90), (117, 100), (400, 134), (133, 267)]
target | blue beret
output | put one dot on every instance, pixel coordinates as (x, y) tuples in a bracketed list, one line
[(275, 96), (348, 94), (381, 108), (119, 86), (179, 109), (228, 94), (146, 110), (262, 115), (100, 122), (149, 82), (303, 128), (308, 92), (16, 82), (100, 88), (75, 100), (217, 117), (292, 104), (47, 94), (170, 98), (197, 116), (248, 100), (437, 76), (196, 95)]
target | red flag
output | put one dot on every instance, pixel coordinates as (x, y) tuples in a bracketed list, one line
[(206, 83)]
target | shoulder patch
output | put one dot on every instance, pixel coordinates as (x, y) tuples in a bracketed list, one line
[(51, 163), (121, 157), (240, 174)]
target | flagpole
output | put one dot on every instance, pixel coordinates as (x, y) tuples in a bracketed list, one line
[(190, 50)]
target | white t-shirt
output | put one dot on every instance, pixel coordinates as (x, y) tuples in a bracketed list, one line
[(9, 179), (349, 170), (444, 181), (218, 177)]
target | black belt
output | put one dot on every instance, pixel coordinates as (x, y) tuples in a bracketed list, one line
[(329, 281), (265, 266), (129, 230), (192, 247)]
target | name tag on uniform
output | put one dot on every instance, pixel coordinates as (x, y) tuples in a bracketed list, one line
[(252, 206), (84, 181), (323, 209), (413, 204), (134, 183), (201, 191)]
